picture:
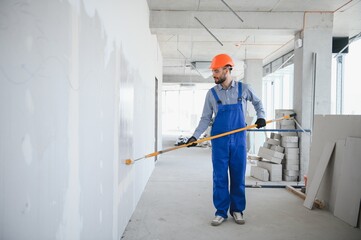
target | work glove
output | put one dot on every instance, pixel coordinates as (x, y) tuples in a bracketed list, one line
[(261, 122), (190, 140)]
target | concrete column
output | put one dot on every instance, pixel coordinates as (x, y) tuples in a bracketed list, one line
[(253, 74), (312, 86)]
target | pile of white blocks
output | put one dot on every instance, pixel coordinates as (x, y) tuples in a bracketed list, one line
[(272, 156), (289, 141), (280, 153), (260, 173)]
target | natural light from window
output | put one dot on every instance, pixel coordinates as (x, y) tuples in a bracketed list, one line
[(352, 82)]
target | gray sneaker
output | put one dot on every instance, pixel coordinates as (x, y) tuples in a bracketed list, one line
[(217, 221), (238, 217)]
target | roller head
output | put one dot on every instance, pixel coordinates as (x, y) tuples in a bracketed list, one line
[(128, 161), (293, 115), (290, 116)]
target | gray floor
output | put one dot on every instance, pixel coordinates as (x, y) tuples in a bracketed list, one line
[(177, 204)]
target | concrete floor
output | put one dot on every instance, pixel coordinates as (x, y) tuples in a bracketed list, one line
[(177, 204)]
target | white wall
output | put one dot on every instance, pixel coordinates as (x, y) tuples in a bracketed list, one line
[(76, 100)]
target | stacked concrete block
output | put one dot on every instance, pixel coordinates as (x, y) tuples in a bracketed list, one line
[(272, 156), (271, 150), (273, 142), (280, 152), (289, 141), (277, 148), (285, 123), (274, 170), (260, 173), (276, 136), (291, 164)]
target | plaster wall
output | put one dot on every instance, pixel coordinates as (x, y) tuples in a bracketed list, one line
[(77, 98)]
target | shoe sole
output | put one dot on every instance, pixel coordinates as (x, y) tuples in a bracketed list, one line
[(240, 221), (217, 223)]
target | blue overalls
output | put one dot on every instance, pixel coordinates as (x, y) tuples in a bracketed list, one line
[(229, 152)]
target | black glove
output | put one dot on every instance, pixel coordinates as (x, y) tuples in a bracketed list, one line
[(261, 122), (190, 140)]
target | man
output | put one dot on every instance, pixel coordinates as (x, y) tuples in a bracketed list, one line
[(227, 101)]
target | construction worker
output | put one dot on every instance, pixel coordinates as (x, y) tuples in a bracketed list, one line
[(227, 101)]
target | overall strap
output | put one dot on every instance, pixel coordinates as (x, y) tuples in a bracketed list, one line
[(239, 91), (216, 96)]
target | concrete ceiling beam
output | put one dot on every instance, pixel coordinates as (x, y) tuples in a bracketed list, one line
[(186, 79), (252, 20)]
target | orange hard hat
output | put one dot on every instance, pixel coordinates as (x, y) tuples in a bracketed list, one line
[(221, 60)]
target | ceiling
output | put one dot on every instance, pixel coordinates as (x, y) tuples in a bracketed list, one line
[(192, 31)]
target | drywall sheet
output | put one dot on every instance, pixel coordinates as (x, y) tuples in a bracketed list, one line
[(348, 195), (330, 128), (335, 172), (77, 92), (320, 170)]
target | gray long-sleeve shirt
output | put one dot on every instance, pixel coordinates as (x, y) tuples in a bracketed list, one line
[(227, 96)]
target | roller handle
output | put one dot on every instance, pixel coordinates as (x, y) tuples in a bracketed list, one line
[(129, 161)]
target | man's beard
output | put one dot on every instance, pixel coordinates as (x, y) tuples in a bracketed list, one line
[(221, 79)]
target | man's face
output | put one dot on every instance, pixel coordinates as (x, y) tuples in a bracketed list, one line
[(219, 75)]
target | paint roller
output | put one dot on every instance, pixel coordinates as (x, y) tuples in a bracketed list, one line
[(130, 161)]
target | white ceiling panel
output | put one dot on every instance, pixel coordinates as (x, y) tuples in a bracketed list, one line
[(266, 31)]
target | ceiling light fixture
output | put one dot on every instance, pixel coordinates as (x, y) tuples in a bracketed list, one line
[(202, 67)]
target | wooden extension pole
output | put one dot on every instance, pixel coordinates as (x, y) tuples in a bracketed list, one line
[(317, 203), (130, 161)]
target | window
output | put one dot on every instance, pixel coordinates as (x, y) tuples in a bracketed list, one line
[(183, 106), (278, 91), (346, 81), (352, 82)]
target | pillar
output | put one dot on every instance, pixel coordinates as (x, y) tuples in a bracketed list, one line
[(312, 82), (253, 74)]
